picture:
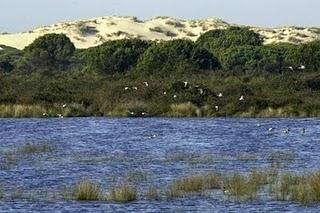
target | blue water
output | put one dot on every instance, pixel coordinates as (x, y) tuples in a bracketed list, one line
[(106, 150)]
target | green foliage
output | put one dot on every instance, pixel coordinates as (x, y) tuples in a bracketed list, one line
[(8, 58), (215, 40), (51, 51), (309, 55), (176, 55), (115, 56), (252, 58)]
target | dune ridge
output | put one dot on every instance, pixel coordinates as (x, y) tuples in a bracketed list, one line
[(95, 31)]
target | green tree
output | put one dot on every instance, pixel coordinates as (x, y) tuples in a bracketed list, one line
[(8, 58), (115, 56), (176, 55), (51, 51), (220, 39)]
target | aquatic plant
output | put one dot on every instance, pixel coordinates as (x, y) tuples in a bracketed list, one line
[(86, 190), (123, 194), (193, 184), (152, 193), (32, 148), (136, 176)]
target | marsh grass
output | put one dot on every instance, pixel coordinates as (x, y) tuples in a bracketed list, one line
[(247, 157), (188, 110), (152, 193), (136, 176), (195, 184), (246, 187), (35, 148), (303, 189), (86, 190), (19, 110), (280, 159), (124, 193), (196, 158), (9, 160)]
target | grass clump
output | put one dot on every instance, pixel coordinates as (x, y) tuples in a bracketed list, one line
[(303, 189), (86, 190), (152, 193), (193, 184), (123, 194), (136, 176), (33, 148), (245, 187)]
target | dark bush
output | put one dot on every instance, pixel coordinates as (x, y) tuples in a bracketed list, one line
[(52, 51), (115, 56), (176, 55)]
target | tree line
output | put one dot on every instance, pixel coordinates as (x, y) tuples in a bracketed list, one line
[(236, 49)]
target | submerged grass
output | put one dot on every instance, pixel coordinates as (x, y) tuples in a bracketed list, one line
[(33, 148)]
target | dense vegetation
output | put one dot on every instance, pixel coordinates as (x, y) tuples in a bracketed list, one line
[(224, 73)]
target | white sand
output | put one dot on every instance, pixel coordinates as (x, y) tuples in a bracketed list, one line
[(98, 30)]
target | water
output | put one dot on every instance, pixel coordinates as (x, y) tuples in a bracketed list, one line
[(106, 150)]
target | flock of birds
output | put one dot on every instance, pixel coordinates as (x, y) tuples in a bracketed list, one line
[(286, 131), (301, 68), (186, 84), (174, 96)]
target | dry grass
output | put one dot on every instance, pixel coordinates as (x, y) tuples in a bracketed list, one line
[(193, 184), (152, 193), (123, 194), (86, 190), (19, 111)]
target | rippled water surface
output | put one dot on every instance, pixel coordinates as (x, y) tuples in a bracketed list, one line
[(107, 150)]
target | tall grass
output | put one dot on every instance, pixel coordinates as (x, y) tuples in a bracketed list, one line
[(21, 110), (86, 190), (152, 193), (303, 189), (193, 184), (123, 194)]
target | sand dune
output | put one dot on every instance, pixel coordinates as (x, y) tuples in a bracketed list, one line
[(95, 31)]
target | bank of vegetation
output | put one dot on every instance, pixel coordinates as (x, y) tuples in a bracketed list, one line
[(224, 73)]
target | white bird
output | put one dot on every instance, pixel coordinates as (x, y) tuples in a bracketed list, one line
[(270, 129), (201, 91), (291, 68), (146, 84), (286, 130), (126, 88), (185, 84), (164, 93), (174, 96), (220, 95), (258, 125), (135, 88), (60, 116), (131, 113), (44, 114), (241, 98), (302, 67), (64, 105), (143, 113), (217, 108)]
